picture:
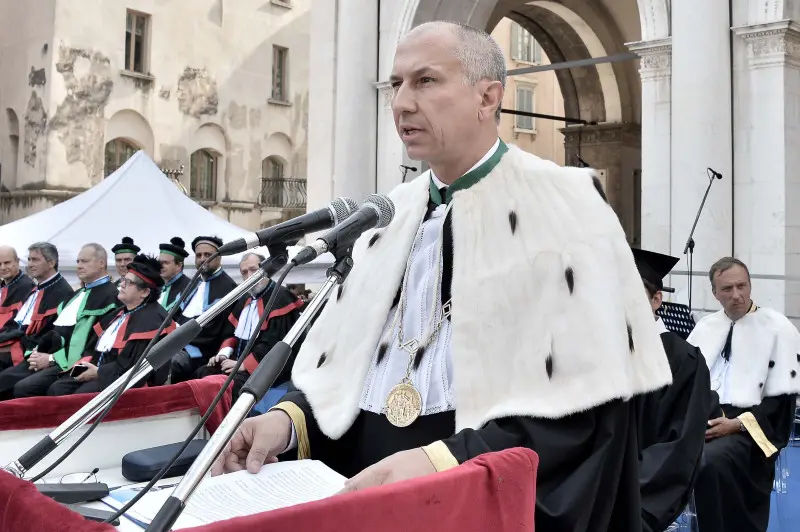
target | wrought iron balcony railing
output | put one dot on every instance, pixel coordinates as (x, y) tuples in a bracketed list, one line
[(283, 193)]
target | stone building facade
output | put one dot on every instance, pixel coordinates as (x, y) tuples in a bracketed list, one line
[(216, 92)]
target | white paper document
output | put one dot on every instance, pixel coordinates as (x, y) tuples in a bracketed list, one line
[(242, 493)]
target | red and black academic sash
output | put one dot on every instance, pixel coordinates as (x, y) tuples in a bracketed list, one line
[(250, 363)]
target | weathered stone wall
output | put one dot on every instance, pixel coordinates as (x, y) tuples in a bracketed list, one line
[(207, 84)]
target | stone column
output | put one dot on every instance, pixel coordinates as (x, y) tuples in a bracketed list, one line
[(342, 100), (701, 138), (613, 149), (655, 70), (767, 187)]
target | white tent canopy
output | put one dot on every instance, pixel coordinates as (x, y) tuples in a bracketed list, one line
[(138, 201)]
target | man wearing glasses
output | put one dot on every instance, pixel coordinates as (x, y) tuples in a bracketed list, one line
[(121, 336)]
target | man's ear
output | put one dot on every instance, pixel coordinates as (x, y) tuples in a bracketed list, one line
[(491, 98)]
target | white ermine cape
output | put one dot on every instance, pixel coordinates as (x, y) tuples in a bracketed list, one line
[(549, 314), (765, 354)]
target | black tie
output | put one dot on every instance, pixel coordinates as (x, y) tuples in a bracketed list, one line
[(432, 205), (726, 350)]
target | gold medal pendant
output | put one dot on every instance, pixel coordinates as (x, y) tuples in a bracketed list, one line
[(404, 404)]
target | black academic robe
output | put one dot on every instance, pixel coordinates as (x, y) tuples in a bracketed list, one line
[(132, 339), (101, 300), (174, 289), (587, 480), (733, 488), (210, 338), (587, 461), (12, 295), (671, 433), (286, 312), (16, 341)]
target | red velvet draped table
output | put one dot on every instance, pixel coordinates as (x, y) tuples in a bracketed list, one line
[(494, 492)]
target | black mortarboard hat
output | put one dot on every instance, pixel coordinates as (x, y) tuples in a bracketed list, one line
[(148, 269), (127, 246), (176, 247), (213, 241), (653, 267)]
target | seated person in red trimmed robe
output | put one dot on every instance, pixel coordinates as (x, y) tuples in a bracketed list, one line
[(35, 318), (15, 286), (244, 318), (753, 355), (121, 336), (73, 327)]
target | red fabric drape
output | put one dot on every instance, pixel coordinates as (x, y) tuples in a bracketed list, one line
[(494, 492), (49, 412)]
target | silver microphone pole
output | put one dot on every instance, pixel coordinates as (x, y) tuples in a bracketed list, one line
[(252, 392), (161, 354)]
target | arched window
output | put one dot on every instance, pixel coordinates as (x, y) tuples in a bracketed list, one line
[(203, 183), (272, 168), (117, 152)]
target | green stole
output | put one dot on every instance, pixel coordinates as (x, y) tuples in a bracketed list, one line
[(85, 319), (165, 296), (470, 178)]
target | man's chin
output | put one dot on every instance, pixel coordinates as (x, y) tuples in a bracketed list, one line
[(417, 153)]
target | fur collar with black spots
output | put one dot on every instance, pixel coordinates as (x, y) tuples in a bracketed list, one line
[(549, 314)]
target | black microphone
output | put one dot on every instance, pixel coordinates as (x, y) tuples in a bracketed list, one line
[(715, 173), (290, 231), (376, 212), (412, 168)]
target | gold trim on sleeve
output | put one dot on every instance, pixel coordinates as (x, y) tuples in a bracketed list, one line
[(440, 456), (299, 420), (754, 429)]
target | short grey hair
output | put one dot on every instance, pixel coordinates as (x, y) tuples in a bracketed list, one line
[(480, 56), (724, 264), (261, 258), (99, 252), (48, 251)]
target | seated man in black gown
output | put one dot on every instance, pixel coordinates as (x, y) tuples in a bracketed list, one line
[(244, 318), (752, 354), (418, 363), (122, 335), (672, 421)]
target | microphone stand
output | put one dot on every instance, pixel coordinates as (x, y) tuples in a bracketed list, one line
[(690, 241), (161, 354), (252, 392)]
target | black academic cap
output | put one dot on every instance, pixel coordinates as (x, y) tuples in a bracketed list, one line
[(148, 269), (176, 247), (652, 266), (213, 241), (127, 246)]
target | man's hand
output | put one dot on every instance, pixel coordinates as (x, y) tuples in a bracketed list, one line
[(89, 374), (258, 441), (722, 426), (38, 361), (216, 359), (227, 366), (399, 466)]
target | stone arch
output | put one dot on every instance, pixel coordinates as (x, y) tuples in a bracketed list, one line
[(133, 127), (211, 136), (279, 145)]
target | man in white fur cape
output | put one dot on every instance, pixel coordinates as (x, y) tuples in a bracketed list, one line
[(753, 354), (420, 362)]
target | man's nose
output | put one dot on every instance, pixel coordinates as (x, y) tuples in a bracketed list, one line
[(403, 100)]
